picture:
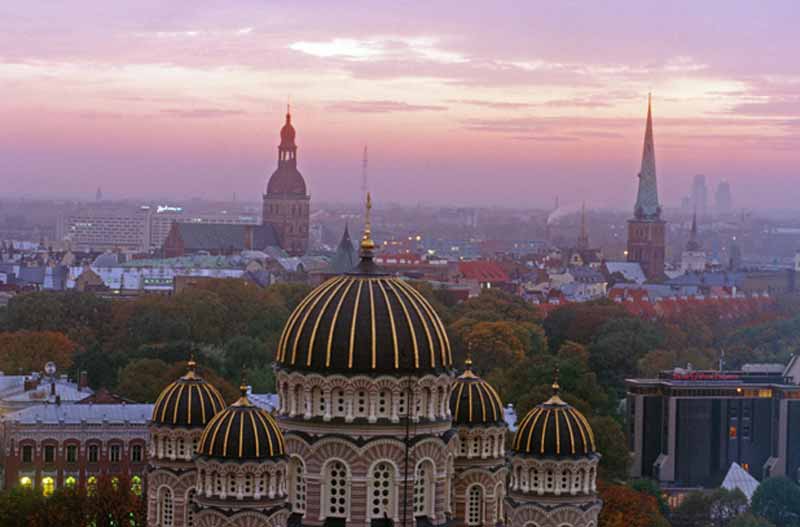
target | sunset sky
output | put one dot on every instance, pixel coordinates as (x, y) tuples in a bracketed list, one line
[(460, 102)]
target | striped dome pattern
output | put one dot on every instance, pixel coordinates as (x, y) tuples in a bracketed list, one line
[(365, 322), (242, 431), (188, 402), (554, 429), (474, 402)]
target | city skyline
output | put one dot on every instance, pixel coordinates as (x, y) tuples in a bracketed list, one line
[(188, 101)]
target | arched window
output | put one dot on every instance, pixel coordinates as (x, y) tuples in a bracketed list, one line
[(361, 409), (136, 485), (339, 406), (317, 400), (423, 489), (190, 508), (381, 490), (70, 482), (181, 448), (384, 402), (232, 490), (91, 485), (165, 511), (500, 494), (475, 505), (577, 481), (48, 486), (422, 403), (248, 484), (336, 503), (297, 485)]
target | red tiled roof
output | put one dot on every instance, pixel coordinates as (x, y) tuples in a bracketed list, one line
[(482, 271)]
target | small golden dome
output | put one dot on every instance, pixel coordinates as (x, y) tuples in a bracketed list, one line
[(188, 402), (242, 431), (554, 429), (474, 402)]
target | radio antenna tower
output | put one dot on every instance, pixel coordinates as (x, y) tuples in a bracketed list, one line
[(364, 186)]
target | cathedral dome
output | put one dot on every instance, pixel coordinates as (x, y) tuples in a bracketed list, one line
[(242, 431), (365, 322), (188, 402), (554, 429), (286, 180), (474, 402)]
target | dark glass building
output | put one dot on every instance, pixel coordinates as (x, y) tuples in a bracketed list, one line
[(686, 427)]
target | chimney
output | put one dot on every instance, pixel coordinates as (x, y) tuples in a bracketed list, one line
[(83, 380)]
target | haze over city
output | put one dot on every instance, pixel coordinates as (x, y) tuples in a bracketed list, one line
[(469, 103)]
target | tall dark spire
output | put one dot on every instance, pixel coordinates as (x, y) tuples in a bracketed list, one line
[(647, 206), (693, 244), (583, 238)]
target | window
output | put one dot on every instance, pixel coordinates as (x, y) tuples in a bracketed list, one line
[(136, 453), (91, 485), (26, 482), (115, 453), (72, 453), (165, 511), (48, 486), (297, 482), (732, 432), (475, 505), (423, 487), (70, 482), (49, 453), (27, 454), (94, 453), (381, 491), (136, 485), (337, 490), (190, 508)]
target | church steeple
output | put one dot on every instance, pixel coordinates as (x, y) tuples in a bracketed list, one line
[(647, 206), (693, 244), (583, 238)]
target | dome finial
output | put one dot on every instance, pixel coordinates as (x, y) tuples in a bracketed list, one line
[(243, 388), (556, 387), (191, 367), (468, 363), (367, 244)]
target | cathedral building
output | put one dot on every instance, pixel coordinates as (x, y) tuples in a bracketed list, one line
[(646, 230), (693, 259), (287, 203), (372, 428)]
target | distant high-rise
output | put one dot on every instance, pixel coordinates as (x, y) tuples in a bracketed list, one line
[(583, 237), (722, 199), (646, 231), (700, 196), (286, 203)]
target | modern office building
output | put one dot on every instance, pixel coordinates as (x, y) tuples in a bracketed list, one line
[(687, 427)]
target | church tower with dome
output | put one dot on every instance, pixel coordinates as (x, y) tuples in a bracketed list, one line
[(286, 204), (553, 466), (180, 414), (479, 471), (364, 372)]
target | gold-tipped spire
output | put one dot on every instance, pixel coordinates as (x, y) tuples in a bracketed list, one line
[(556, 387), (191, 367), (367, 243), (243, 400), (468, 363)]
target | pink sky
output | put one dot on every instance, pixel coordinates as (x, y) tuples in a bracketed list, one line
[(459, 102)]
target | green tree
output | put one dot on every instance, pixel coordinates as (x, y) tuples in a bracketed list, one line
[(615, 352), (725, 505), (143, 379), (778, 500), (244, 352), (693, 511), (613, 445), (750, 520)]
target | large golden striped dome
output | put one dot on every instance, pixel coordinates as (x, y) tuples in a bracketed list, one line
[(554, 429), (188, 402), (474, 402), (242, 431), (365, 322)]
